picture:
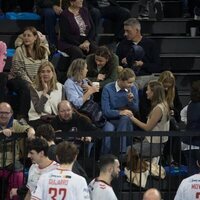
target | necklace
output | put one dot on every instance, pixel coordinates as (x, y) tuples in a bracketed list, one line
[(74, 11)]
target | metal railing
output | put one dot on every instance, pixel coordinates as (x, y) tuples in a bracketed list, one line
[(89, 156)]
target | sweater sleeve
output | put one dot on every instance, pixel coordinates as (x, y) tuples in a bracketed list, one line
[(38, 102), (18, 66), (105, 103), (19, 128), (113, 75), (72, 94)]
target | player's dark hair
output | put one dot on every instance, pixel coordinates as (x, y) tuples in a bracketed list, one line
[(66, 152), (106, 160), (38, 145), (46, 131)]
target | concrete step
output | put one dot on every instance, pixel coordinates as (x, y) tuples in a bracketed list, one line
[(168, 26), (166, 44), (180, 62), (171, 8), (17, 26), (177, 44)]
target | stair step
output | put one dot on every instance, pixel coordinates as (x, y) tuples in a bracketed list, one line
[(173, 5), (17, 26), (166, 44), (167, 26), (180, 63)]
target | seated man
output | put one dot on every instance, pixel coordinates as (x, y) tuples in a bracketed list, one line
[(119, 99), (50, 11), (109, 9), (144, 9), (10, 166), (69, 120), (137, 52)]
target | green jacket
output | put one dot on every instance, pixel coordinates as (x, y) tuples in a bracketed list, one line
[(110, 69)]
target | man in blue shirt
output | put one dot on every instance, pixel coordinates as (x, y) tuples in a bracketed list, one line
[(119, 101)]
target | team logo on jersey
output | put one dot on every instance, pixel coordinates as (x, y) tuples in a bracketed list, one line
[(102, 186)]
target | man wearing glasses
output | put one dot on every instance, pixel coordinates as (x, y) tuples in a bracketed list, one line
[(10, 166)]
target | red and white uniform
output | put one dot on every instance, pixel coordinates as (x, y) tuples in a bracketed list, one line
[(61, 184), (189, 189), (35, 172), (101, 190)]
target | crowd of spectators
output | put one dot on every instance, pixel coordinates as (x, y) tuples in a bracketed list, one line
[(129, 96)]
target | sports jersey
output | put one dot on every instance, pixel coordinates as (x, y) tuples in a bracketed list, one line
[(189, 189), (101, 190), (61, 184), (35, 172)]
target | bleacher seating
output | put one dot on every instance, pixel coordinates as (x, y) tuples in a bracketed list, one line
[(180, 53)]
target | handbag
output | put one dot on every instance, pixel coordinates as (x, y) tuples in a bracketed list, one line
[(134, 177), (94, 112)]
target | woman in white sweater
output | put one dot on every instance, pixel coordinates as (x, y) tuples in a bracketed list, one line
[(46, 93)]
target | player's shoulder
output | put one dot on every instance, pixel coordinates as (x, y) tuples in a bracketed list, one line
[(102, 185), (54, 163), (190, 179), (78, 176)]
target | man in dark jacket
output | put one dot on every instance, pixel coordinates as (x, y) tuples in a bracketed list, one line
[(69, 120), (138, 53), (50, 11)]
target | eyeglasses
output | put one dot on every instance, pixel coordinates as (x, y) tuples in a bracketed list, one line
[(4, 113)]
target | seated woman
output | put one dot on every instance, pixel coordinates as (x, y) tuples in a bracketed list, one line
[(158, 120), (26, 61), (76, 30), (102, 66), (171, 94), (78, 88), (167, 78), (46, 93)]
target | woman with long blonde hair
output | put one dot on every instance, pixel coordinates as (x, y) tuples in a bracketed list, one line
[(171, 94), (46, 93)]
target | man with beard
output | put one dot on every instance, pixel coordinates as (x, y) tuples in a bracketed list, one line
[(100, 187)]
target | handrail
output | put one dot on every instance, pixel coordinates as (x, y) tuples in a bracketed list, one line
[(102, 134)]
